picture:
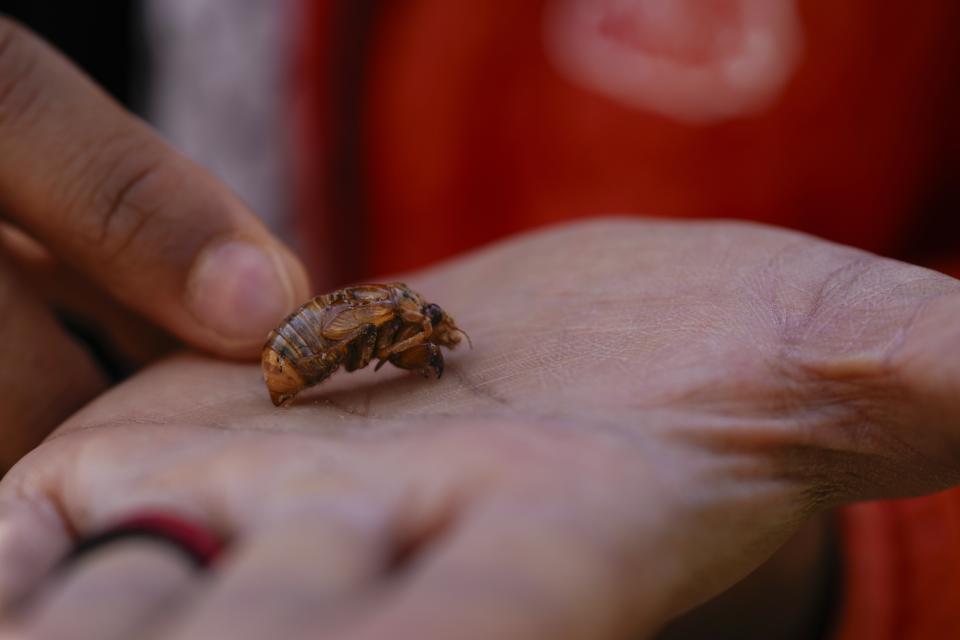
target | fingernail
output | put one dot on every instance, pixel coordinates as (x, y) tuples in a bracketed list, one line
[(239, 291)]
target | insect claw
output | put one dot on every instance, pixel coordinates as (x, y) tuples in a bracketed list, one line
[(465, 335), (281, 399), (436, 364), (380, 364)]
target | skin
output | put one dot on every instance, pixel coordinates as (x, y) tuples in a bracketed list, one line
[(651, 410), (103, 223)]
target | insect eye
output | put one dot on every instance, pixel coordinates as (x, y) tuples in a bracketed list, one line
[(434, 312)]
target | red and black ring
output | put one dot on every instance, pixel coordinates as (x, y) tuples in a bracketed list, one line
[(198, 544)]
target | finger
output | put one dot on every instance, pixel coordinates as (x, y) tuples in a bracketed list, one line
[(120, 340), (32, 539), (45, 375), (103, 192), (118, 591), (290, 577), (508, 576)]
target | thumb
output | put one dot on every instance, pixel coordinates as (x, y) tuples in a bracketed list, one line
[(109, 197), (927, 367)]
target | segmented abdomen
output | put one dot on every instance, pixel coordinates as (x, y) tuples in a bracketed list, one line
[(299, 339)]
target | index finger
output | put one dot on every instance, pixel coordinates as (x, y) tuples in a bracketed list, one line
[(108, 196)]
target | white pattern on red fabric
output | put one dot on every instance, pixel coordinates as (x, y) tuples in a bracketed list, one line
[(697, 61)]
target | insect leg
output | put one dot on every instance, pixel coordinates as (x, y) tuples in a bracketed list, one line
[(412, 341), (350, 351), (425, 358), (388, 333), (360, 348)]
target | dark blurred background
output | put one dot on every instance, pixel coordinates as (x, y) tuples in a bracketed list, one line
[(104, 37)]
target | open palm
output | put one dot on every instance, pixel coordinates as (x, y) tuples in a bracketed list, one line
[(650, 410)]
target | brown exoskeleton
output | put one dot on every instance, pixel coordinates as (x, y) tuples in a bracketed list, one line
[(350, 327)]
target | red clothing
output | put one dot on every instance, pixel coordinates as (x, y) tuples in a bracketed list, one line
[(465, 130), (902, 560)]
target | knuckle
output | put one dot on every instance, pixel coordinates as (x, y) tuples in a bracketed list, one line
[(18, 61), (126, 200)]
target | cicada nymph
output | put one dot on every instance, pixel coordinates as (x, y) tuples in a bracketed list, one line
[(352, 326)]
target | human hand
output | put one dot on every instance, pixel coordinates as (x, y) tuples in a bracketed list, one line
[(650, 410), (110, 226)]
